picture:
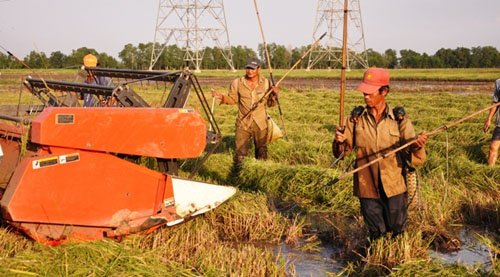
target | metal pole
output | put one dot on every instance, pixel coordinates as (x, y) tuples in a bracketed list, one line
[(342, 71)]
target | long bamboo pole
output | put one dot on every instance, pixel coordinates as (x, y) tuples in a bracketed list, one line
[(344, 65), (270, 68)]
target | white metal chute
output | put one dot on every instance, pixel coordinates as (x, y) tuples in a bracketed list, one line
[(193, 198)]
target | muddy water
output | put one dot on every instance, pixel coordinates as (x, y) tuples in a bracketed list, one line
[(310, 263), (321, 263), (471, 252)]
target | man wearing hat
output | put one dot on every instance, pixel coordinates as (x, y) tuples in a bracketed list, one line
[(90, 100), (370, 132), (251, 122)]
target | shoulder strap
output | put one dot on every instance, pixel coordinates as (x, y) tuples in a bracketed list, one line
[(356, 112), (399, 114)]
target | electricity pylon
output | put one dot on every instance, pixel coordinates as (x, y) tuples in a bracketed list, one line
[(191, 24), (330, 13)]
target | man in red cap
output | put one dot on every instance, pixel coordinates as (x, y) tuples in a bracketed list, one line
[(372, 131)]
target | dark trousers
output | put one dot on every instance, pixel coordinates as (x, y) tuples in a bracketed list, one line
[(242, 141), (384, 215)]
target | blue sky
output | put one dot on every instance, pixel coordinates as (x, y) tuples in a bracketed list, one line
[(107, 25)]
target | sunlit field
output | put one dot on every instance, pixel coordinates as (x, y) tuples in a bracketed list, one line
[(288, 199)]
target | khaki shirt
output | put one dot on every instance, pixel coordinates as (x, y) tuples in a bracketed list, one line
[(371, 141), (241, 94)]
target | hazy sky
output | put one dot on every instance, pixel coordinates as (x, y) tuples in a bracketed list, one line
[(107, 25)]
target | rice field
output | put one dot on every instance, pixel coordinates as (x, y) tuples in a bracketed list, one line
[(287, 199)]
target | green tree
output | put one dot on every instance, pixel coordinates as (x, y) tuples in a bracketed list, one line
[(463, 57), (240, 56), (218, 60), (280, 56), (144, 55), (376, 59), (4, 60), (446, 57), (391, 58), (410, 59), (36, 60), (57, 60), (486, 57), (296, 54), (129, 56), (174, 57), (105, 60)]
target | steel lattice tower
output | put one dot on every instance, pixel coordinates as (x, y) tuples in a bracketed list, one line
[(190, 24), (330, 13)]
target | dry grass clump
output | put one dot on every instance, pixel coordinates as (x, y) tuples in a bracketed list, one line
[(226, 241), (386, 253), (240, 221), (425, 268), (11, 243)]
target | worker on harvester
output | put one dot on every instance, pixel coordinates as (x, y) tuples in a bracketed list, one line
[(89, 100)]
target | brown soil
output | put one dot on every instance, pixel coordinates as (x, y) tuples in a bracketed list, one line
[(301, 84), (11, 82)]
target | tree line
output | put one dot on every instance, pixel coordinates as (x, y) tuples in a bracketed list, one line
[(172, 58)]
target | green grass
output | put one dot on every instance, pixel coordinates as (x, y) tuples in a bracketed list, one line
[(287, 199)]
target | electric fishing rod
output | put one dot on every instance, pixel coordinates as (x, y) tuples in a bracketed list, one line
[(24, 64), (16, 58), (268, 60), (432, 133), (256, 104), (343, 79)]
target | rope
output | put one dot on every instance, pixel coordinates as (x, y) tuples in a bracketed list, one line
[(445, 197)]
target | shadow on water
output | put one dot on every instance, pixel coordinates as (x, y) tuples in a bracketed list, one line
[(472, 252)]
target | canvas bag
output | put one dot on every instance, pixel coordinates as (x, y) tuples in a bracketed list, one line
[(273, 131)]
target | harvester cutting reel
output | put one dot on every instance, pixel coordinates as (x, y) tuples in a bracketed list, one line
[(123, 96), (68, 183)]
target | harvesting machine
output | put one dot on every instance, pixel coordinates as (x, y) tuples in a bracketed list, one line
[(74, 173)]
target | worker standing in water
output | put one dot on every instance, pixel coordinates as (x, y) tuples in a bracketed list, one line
[(369, 132), (251, 122)]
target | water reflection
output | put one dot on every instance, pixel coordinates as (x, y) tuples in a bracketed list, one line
[(472, 251), (314, 264)]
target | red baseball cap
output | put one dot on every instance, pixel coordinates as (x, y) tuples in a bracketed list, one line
[(373, 79)]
